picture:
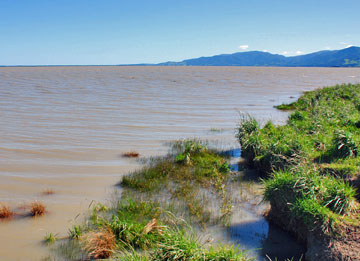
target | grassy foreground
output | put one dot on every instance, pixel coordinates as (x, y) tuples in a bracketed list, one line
[(311, 162), (162, 208)]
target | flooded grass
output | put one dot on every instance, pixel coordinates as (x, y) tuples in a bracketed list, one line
[(50, 238), (6, 212), (130, 154), (76, 232), (184, 176), (162, 210), (175, 208), (37, 209)]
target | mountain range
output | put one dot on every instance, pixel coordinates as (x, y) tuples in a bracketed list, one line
[(348, 57)]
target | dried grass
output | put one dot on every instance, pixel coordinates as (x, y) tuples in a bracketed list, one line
[(5, 212), (100, 245), (152, 225), (47, 192), (131, 154), (37, 209)]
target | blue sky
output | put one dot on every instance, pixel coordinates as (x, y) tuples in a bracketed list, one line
[(49, 32)]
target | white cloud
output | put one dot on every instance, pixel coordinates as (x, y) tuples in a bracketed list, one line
[(299, 52), (285, 53), (349, 45), (266, 51), (243, 47)]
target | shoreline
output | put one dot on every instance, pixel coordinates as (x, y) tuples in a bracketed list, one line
[(309, 163)]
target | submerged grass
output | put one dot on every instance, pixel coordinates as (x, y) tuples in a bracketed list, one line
[(50, 238), (37, 209), (192, 169), (161, 207), (309, 161)]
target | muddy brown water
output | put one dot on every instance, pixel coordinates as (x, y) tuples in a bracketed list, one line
[(65, 128)]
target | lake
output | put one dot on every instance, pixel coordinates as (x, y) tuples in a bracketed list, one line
[(65, 128)]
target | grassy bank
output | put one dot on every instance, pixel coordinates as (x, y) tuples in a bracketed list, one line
[(310, 164), (161, 212)]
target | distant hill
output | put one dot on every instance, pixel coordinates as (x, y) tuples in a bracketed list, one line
[(348, 57)]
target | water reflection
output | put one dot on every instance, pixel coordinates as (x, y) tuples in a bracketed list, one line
[(249, 235), (249, 229)]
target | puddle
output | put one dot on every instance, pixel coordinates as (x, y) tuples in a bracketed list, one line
[(249, 235), (235, 154), (248, 229)]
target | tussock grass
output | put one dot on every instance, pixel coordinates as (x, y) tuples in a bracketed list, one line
[(6, 212), (318, 202), (101, 244), (308, 161), (271, 148), (37, 209)]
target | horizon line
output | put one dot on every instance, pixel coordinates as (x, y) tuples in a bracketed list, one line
[(154, 64)]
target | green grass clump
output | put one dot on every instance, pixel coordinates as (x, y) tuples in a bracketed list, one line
[(309, 160), (184, 175), (193, 162), (133, 224), (142, 229), (50, 238), (314, 215), (305, 195), (151, 177), (76, 232), (271, 148), (184, 246)]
